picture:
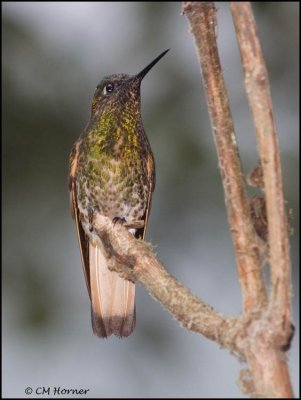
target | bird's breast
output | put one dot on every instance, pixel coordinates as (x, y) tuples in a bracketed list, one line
[(118, 188)]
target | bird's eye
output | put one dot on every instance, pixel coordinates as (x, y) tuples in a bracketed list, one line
[(108, 88)]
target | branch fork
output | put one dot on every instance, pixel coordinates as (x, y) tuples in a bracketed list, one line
[(262, 334)]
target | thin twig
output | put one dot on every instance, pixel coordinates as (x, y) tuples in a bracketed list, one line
[(202, 20)]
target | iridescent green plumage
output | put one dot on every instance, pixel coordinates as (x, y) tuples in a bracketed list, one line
[(111, 171)]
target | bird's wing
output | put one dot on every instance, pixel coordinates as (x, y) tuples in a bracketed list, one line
[(81, 235), (151, 179)]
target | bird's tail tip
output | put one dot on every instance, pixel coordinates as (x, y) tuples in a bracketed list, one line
[(120, 326)]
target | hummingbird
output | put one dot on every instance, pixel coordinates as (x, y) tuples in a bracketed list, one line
[(112, 172)]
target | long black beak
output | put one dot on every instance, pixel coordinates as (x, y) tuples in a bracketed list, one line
[(145, 70)]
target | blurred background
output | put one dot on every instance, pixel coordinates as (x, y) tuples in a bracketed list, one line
[(54, 55)]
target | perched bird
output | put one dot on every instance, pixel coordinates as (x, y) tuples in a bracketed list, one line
[(111, 171)]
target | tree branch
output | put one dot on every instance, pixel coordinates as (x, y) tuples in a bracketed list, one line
[(267, 336), (134, 260), (263, 333), (270, 367), (202, 20), (258, 91)]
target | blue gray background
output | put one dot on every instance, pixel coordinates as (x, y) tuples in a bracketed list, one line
[(54, 54)]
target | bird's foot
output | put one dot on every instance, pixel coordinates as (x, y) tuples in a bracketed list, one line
[(119, 220), (138, 224)]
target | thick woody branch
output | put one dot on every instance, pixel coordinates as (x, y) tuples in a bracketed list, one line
[(134, 260), (202, 21), (270, 367), (258, 92), (264, 331), (270, 331)]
